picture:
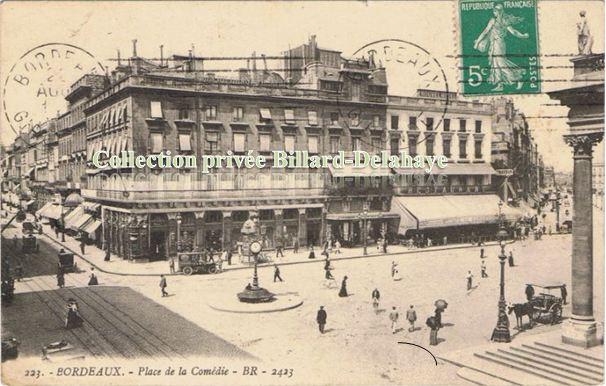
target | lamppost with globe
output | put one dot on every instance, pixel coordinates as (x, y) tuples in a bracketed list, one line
[(501, 331)]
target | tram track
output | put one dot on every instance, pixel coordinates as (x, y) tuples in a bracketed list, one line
[(104, 318)]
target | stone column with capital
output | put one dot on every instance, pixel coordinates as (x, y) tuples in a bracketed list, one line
[(279, 234), (302, 227), (580, 329), (200, 243)]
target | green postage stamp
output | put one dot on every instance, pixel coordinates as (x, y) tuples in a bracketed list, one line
[(499, 47)]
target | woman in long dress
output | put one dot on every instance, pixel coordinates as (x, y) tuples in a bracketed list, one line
[(343, 290), (492, 41)]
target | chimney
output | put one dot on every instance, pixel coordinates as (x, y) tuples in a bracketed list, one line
[(192, 67), (254, 66), (134, 48), (161, 54), (119, 62)]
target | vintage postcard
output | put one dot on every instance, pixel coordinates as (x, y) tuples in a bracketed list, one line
[(302, 192)]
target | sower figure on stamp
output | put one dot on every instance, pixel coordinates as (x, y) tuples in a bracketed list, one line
[(492, 41)]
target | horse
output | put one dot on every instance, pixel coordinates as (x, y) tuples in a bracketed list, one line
[(521, 309)]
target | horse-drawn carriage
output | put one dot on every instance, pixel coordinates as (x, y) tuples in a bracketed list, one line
[(539, 306), (547, 303), (30, 244), (66, 262)]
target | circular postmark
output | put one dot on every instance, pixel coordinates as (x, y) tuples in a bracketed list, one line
[(410, 71), (37, 84)]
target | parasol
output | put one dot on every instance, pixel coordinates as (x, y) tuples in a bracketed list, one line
[(441, 304)]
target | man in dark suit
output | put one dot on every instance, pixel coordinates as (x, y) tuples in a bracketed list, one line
[(277, 273), (321, 319), (163, 285)]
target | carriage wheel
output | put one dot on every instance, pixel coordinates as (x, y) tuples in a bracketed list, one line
[(556, 313), (212, 269), (536, 315), (188, 270)]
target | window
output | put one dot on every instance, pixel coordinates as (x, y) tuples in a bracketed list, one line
[(330, 85), (354, 119), (395, 146), (429, 124), (312, 118), (183, 113), (289, 116), (184, 141), (265, 142), (377, 145), (289, 143), (335, 145), (478, 149), (212, 142), (356, 144), (334, 119), (395, 122), (156, 110), (429, 145), (478, 126), (265, 114), (412, 123), (376, 121), (412, 146), (313, 143), (238, 113), (446, 124), (239, 142), (463, 148), (462, 125), (157, 142), (446, 146), (210, 113)]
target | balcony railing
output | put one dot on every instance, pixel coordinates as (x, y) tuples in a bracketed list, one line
[(442, 189)]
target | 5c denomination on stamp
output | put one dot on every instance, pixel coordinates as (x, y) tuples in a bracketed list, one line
[(499, 47)]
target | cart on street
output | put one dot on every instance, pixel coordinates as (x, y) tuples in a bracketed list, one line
[(30, 244), (547, 302), (195, 262), (66, 262)]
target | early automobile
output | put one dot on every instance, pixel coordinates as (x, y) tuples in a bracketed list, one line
[(547, 303), (196, 262), (29, 244), (10, 348)]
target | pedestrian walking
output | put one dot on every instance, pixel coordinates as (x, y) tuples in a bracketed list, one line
[(483, 268), (482, 253), (277, 273), (529, 292), (564, 293), (510, 259), (411, 316), (171, 265), (393, 317), (321, 319), (279, 249), (394, 269), (229, 256), (19, 271), (312, 254), (433, 333), (93, 278), (163, 285), (82, 245), (295, 244), (337, 247), (376, 296), (56, 231), (343, 290), (469, 278), (73, 318), (438, 316), (385, 245), (60, 278)]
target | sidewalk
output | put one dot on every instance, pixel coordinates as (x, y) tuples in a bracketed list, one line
[(118, 266)]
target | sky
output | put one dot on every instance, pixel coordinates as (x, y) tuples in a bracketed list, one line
[(239, 28)]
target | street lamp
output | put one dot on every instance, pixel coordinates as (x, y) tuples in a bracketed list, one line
[(501, 331), (179, 220)]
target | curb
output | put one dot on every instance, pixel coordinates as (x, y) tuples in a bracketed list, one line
[(265, 265)]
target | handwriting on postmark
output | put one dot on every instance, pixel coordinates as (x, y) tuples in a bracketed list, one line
[(499, 47), (37, 84)]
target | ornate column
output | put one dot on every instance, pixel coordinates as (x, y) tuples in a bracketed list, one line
[(171, 249), (580, 329), (227, 229), (199, 230), (302, 227)]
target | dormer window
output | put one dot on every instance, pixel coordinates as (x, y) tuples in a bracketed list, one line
[(265, 115)]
